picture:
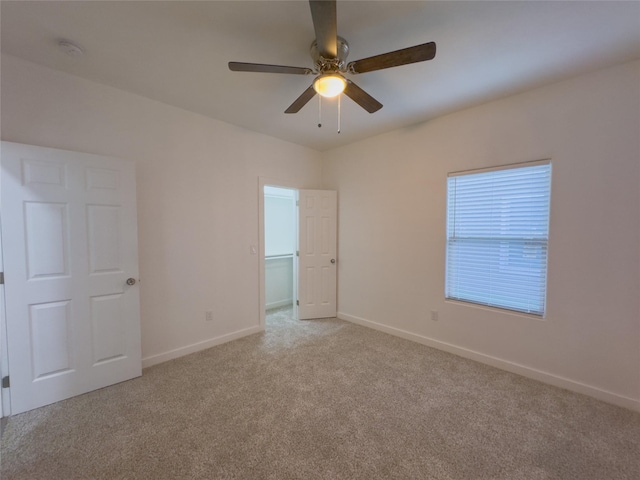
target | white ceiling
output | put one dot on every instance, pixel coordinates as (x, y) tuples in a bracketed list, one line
[(177, 53)]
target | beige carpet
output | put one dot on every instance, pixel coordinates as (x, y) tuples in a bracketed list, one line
[(324, 399)]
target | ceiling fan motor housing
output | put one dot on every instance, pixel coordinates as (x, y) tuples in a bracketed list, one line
[(324, 65)]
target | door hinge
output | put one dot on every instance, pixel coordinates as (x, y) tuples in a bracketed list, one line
[(5, 382), (1, 278), (297, 253), (298, 302), (297, 203)]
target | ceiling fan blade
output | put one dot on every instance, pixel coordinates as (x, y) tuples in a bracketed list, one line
[(405, 56), (301, 101), (325, 24), (263, 68), (361, 97)]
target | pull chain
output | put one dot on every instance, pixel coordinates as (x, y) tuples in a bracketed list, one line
[(339, 97), (319, 111)]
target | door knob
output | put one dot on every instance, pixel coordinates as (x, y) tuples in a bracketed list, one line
[(131, 281), (333, 260)]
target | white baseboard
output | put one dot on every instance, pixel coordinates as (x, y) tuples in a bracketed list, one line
[(279, 303), (196, 347), (512, 367)]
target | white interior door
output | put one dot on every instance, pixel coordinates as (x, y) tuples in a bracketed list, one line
[(69, 237), (317, 263)]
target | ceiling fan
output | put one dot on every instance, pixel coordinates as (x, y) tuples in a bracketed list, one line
[(329, 52)]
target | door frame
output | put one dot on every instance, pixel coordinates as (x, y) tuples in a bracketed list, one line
[(280, 183)]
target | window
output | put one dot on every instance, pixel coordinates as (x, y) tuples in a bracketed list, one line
[(497, 235)]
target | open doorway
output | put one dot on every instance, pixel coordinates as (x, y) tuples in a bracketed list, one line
[(280, 247), (314, 255)]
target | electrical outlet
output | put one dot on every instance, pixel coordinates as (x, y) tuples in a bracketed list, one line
[(434, 315), (208, 316)]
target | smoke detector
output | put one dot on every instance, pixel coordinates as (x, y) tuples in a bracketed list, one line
[(70, 48)]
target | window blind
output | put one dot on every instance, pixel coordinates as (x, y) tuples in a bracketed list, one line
[(497, 235)]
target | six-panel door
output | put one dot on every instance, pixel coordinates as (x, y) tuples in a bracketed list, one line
[(69, 243), (317, 274)]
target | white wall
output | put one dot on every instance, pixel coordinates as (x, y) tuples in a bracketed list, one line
[(198, 215), (392, 231), (278, 274), (197, 181)]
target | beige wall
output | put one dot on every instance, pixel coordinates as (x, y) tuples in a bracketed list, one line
[(392, 231), (197, 196), (198, 215)]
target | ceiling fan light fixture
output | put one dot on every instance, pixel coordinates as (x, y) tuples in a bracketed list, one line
[(329, 85)]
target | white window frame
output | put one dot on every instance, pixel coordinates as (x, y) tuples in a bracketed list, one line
[(497, 236)]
